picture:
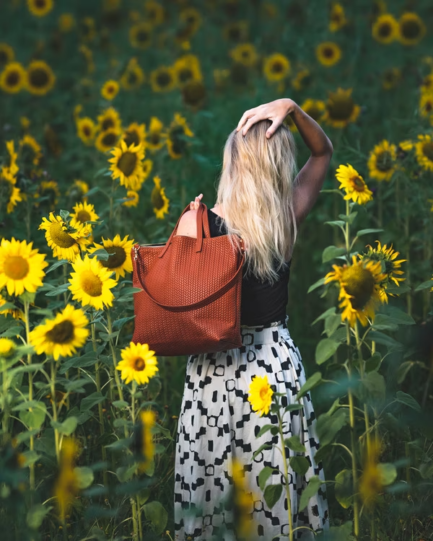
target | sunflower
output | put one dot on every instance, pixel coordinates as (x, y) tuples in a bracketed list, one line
[(91, 283), (120, 259), (7, 348), (187, 69), (126, 164), (191, 18), (21, 266), (372, 481), (260, 395), (163, 79), (135, 134), (86, 130), (412, 28), (67, 485), (78, 190), (62, 335), (88, 56), (110, 90), (11, 161), (359, 289), (245, 54), (243, 502), (30, 150), (9, 193), (353, 184), (83, 212), (50, 190), (302, 79), (132, 199), (390, 78), (66, 22), (147, 166), (156, 137), (13, 78), (155, 13), (16, 313), (426, 104), (391, 266), (40, 78), (314, 108), (236, 31), (427, 83), (220, 77), (194, 94), (6, 54), (341, 109), (424, 152), (87, 28), (177, 132), (147, 446), (107, 139), (140, 35), (138, 363), (337, 17), (159, 200), (133, 76), (65, 240), (385, 29), (382, 161), (328, 53), (40, 8), (276, 67), (109, 119)]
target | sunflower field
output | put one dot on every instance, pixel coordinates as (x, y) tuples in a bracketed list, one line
[(113, 118)]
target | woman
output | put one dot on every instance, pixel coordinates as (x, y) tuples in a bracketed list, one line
[(260, 199)]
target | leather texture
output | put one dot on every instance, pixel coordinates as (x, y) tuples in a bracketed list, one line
[(190, 301)]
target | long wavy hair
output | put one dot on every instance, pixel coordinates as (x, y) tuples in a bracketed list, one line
[(255, 191)]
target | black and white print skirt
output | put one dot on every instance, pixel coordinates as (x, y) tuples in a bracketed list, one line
[(217, 425)]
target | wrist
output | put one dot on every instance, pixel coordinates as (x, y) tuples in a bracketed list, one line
[(291, 106)]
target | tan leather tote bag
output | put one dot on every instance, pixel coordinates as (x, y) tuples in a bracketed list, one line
[(190, 301)]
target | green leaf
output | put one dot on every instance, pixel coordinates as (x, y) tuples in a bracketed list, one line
[(272, 494), (36, 514), (294, 443), (84, 476), (344, 488), (326, 349), (88, 402), (56, 265), (311, 489), (157, 515), (118, 324), (261, 448), (108, 336), (398, 316), (350, 218), (299, 464), (328, 426), (373, 363), (331, 252), (311, 382), (388, 473), (67, 427), (332, 322), (336, 223), (30, 457), (317, 284), (332, 191), (362, 232), (64, 215), (382, 322), (424, 285), (76, 384), (34, 418), (120, 404), (266, 428), (101, 254), (325, 314), (264, 476), (293, 407), (403, 370), (372, 387), (384, 339), (58, 290), (408, 400)]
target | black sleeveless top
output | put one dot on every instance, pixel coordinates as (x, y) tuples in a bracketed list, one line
[(261, 302)]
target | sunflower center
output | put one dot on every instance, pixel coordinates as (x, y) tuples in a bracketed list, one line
[(16, 267), (234, 34), (156, 198), (185, 74), (131, 138), (117, 258), (384, 161), (107, 123), (193, 93), (3, 57), (163, 78), (358, 183), (83, 216), (139, 364), (109, 140), (91, 283), (385, 30), (428, 107), (39, 77), (341, 108), (62, 333), (427, 150), (142, 36), (60, 237), (110, 89), (277, 67), (263, 393), (178, 145), (87, 131), (13, 78), (40, 4), (314, 112), (410, 29), (328, 52), (127, 163), (155, 137), (6, 189), (132, 78), (359, 283)]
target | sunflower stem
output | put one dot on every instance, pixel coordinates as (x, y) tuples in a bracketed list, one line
[(407, 235), (361, 367), (53, 398), (347, 234), (29, 362), (286, 474)]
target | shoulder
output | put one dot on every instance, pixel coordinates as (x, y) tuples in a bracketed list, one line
[(188, 224)]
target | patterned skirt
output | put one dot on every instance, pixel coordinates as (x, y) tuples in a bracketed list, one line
[(217, 425)]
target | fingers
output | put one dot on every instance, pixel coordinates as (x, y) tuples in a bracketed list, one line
[(250, 122), (272, 129), (194, 205), (245, 117)]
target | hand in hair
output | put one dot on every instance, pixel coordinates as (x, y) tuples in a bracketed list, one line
[(196, 203), (275, 110)]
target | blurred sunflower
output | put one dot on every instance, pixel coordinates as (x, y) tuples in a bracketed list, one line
[(341, 109), (30, 150), (40, 78), (50, 190), (390, 78), (337, 17), (155, 12), (107, 139), (302, 79), (109, 119), (375, 476), (385, 29), (236, 31), (391, 267), (359, 289), (140, 35), (424, 152), (220, 77), (66, 22), (163, 79), (353, 184), (187, 69), (260, 395), (177, 132), (245, 54), (243, 502), (10, 195), (276, 67), (146, 445), (411, 28), (194, 94), (64, 240), (86, 130), (78, 190), (427, 83), (110, 90), (21, 266), (156, 137), (138, 363), (159, 200), (10, 162), (40, 8), (120, 260), (132, 199), (314, 108), (83, 212), (191, 18), (147, 166), (328, 53), (91, 283), (88, 57), (16, 313), (66, 486), (133, 76), (426, 104), (382, 161), (7, 348), (62, 335), (126, 164), (288, 121), (87, 29), (7, 54), (135, 134), (13, 78)]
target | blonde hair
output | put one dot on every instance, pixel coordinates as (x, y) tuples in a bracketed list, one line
[(255, 191)]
